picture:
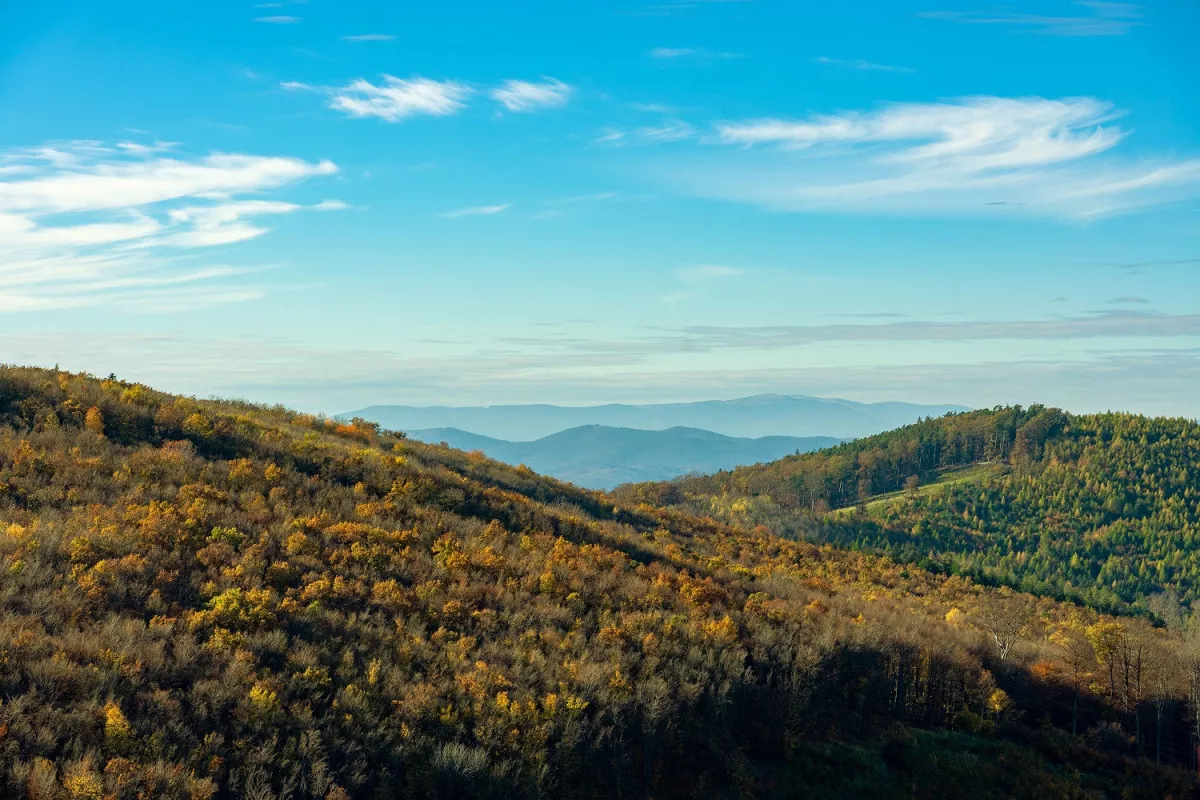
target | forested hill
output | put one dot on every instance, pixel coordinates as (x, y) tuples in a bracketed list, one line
[(1101, 508), (217, 600), (601, 457)]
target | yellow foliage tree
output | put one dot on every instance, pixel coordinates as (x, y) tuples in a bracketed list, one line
[(999, 702), (117, 730), (82, 782), (93, 420)]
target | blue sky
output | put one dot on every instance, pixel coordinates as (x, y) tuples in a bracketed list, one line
[(335, 204)]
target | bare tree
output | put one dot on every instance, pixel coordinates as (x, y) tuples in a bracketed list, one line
[(1165, 665), (1165, 605), (1072, 641), (1006, 615)]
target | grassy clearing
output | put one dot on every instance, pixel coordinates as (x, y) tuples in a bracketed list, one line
[(974, 473)]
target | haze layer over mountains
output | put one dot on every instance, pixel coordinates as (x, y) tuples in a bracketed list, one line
[(603, 446), (602, 457), (756, 416)]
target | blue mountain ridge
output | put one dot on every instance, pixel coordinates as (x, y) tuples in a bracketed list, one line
[(751, 417), (601, 457)]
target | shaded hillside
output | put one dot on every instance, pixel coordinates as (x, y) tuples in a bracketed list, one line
[(600, 457), (205, 599), (1102, 508), (752, 417)]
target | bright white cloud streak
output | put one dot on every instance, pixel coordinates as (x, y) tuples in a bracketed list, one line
[(972, 155), (531, 96), (83, 224), (395, 98)]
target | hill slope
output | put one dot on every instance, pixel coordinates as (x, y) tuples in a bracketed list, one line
[(217, 600), (1102, 508), (753, 417), (601, 457)]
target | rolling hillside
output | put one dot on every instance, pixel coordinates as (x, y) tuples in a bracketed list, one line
[(601, 457), (218, 600), (1104, 509), (746, 417)]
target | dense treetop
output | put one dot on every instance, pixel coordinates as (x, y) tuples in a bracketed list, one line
[(203, 599)]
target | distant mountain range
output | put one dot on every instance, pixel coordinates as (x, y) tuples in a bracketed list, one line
[(757, 416), (601, 457)]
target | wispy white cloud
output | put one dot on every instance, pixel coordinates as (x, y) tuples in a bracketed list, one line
[(86, 224), (671, 8), (708, 272), (143, 149), (595, 197), (558, 207), (516, 95), (394, 99), (653, 108), (861, 65), (610, 136), (475, 211), (370, 37), (1104, 19), (117, 183), (689, 53), (669, 132), (665, 132), (698, 276), (671, 52), (281, 19), (226, 223), (1003, 131), (976, 155), (397, 98)]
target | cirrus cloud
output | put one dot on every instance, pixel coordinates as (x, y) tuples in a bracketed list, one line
[(996, 155), (1105, 18), (83, 224), (476, 211), (397, 98), (370, 37), (394, 99), (860, 64), (523, 96)]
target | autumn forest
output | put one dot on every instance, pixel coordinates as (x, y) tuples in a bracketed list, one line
[(204, 599)]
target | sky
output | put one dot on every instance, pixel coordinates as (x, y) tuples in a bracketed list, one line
[(335, 204)]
